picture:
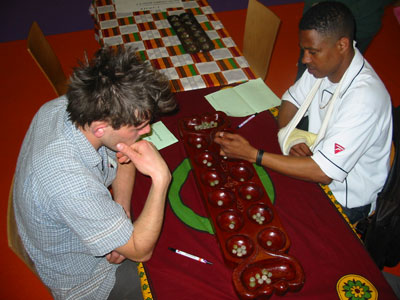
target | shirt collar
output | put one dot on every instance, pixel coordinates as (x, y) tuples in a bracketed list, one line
[(88, 153), (354, 69)]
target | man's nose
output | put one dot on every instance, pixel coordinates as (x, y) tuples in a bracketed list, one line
[(306, 58)]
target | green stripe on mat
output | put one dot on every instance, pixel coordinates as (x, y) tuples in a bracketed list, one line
[(186, 214)]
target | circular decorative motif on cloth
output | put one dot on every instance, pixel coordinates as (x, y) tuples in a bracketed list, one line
[(356, 287)]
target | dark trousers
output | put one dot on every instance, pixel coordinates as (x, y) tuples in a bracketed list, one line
[(127, 284), (357, 213)]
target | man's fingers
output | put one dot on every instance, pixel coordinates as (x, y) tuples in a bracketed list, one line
[(122, 158), (225, 135), (127, 151), (305, 150), (300, 150)]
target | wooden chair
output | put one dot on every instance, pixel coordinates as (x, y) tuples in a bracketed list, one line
[(259, 37), (14, 240), (46, 59)]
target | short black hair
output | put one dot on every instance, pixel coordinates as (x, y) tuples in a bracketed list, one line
[(331, 19), (118, 87)]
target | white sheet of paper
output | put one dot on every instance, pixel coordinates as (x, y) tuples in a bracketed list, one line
[(140, 5), (228, 101), (245, 99), (160, 136)]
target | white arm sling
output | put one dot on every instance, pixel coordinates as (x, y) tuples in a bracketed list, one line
[(289, 135)]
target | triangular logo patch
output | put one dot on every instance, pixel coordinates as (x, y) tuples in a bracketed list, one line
[(338, 148)]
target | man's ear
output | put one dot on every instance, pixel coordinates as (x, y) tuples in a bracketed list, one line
[(343, 44), (97, 128)]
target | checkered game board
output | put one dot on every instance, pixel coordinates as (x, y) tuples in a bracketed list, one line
[(156, 41)]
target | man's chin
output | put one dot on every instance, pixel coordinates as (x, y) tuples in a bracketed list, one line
[(315, 73)]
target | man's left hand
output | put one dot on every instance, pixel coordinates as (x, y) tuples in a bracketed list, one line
[(115, 258), (300, 150)]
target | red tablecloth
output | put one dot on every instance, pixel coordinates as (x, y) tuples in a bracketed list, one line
[(320, 238)]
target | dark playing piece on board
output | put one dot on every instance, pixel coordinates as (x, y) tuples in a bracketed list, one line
[(190, 33)]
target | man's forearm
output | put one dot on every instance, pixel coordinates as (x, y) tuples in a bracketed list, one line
[(304, 168), (147, 226)]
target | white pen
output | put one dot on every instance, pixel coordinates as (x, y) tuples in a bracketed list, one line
[(190, 256), (245, 121)]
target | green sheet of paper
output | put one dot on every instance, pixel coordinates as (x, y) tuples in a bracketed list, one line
[(160, 136), (245, 99)]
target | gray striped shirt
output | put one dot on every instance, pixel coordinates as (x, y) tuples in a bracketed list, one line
[(65, 213)]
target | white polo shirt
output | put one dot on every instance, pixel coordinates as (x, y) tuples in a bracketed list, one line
[(355, 151)]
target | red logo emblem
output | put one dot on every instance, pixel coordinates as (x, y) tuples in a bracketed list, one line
[(338, 148)]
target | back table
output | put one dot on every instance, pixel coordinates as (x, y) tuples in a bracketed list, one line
[(321, 239), (151, 33)]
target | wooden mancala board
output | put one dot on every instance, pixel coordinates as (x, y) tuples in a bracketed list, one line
[(251, 237)]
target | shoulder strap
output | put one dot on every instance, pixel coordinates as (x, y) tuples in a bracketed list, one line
[(329, 111), (284, 132), (303, 108)]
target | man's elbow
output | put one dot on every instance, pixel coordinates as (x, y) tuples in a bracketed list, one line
[(145, 257), (319, 176), (139, 257), (138, 253), (323, 179)]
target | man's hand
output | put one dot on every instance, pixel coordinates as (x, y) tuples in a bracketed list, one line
[(296, 165), (122, 158), (146, 159), (235, 146), (115, 258), (300, 150)]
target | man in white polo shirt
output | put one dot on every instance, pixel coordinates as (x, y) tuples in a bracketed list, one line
[(352, 156)]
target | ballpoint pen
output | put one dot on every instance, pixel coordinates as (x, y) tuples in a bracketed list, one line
[(247, 120), (190, 256)]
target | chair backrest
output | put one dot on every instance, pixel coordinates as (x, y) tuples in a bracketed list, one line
[(382, 237), (259, 37), (14, 240), (46, 59)]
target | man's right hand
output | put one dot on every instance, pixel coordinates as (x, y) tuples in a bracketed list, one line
[(146, 159), (300, 150)]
